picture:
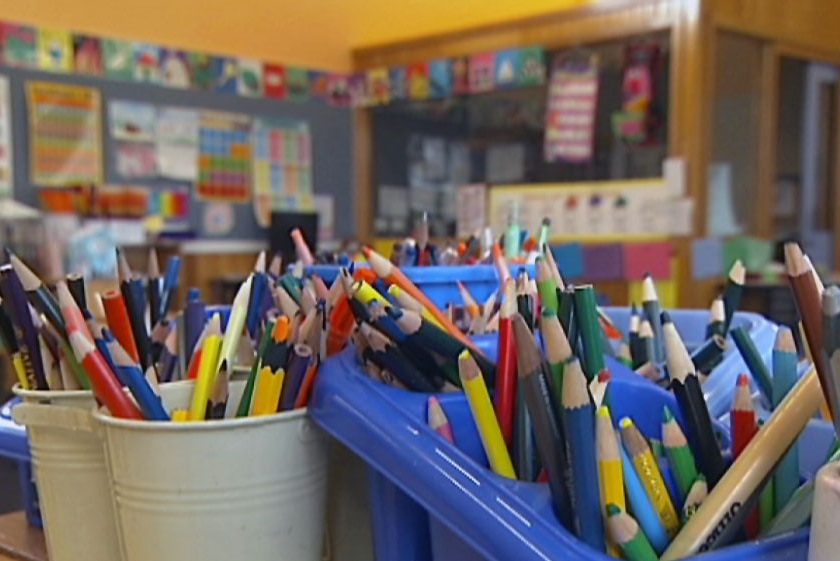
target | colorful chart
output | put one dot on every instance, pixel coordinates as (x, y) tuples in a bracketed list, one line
[(224, 159), (282, 167), (65, 134)]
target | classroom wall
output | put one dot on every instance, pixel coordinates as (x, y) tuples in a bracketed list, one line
[(313, 33)]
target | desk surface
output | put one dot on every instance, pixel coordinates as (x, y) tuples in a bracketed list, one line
[(19, 541)]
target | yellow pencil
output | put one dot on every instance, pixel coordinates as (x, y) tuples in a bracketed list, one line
[(405, 300), (484, 416), (609, 469), (20, 370), (180, 415), (365, 293), (206, 378), (648, 470), (267, 394)]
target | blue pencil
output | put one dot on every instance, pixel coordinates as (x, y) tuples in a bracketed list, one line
[(579, 429), (170, 283), (258, 287), (131, 376), (641, 506), (785, 360)]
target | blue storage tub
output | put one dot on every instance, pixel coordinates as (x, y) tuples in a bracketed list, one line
[(441, 283), (13, 445)]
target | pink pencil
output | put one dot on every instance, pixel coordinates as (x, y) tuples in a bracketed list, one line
[(438, 421)]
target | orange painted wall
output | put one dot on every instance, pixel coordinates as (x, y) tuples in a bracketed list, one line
[(313, 33)]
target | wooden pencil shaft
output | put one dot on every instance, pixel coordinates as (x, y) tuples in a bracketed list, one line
[(809, 307), (586, 318), (709, 354), (700, 430)]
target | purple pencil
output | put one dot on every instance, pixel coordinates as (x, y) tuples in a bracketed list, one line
[(27, 336)]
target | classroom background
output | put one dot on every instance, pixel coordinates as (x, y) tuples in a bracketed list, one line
[(662, 137)]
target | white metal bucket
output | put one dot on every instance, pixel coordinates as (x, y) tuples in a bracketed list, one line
[(71, 475), (237, 489)]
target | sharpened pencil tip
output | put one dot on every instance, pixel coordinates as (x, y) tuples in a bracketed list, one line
[(665, 317), (667, 415), (612, 509)]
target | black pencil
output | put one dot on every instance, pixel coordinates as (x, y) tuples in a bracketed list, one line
[(135, 312), (76, 286), (38, 294), (153, 288), (547, 428), (732, 294), (385, 354), (717, 319), (219, 397), (686, 387)]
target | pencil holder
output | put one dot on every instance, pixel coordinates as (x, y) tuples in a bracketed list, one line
[(252, 488), (71, 475)]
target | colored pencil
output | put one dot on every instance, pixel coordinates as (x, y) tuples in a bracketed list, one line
[(134, 310), (807, 297), (299, 361), (38, 294), (766, 500), (119, 322), (754, 361), (76, 284), (732, 292), (609, 461), (106, 388), (648, 469), (389, 356), (686, 388), (633, 336), (696, 495), (558, 351), (10, 342), (723, 511), (743, 426), (641, 506), (504, 398), (269, 385), (438, 421), (586, 316), (153, 287), (709, 354), (130, 375), (548, 431), (579, 430), (625, 532), (170, 284), (214, 325), (829, 352), (650, 306), (482, 412), (207, 368), (546, 286), (219, 395), (647, 351), (18, 308), (679, 453), (785, 362), (302, 251), (236, 322), (717, 319)]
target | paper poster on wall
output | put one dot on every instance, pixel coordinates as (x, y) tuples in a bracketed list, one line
[(250, 77), (177, 143), (65, 134), (472, 209), (218, 219), (20, 45), (174, 69), (118, 59), (571, 109), (172, 205), (135, 159), (282, 174), (132, 121), (324, 205), (5, 139), (55, 50), (87, 55), (146, 63), (224, 159)]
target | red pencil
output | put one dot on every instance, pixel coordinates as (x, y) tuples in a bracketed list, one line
[(106, 388), (744, 427), (211, 327), (504, 398), (438, 421), (117, 315)]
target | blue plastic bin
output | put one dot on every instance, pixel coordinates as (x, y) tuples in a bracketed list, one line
[(432, 500), (13, 445), (441, 283)]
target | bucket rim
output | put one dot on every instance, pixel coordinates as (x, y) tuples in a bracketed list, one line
[(50, 394), (102, 416)]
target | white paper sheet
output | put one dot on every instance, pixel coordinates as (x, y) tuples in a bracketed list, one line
[(177, 143)]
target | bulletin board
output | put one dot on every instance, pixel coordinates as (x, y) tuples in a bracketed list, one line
[(330, 129)]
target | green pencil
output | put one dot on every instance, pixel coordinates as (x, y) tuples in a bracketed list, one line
[(754, 362), (625, 532), (766, 500), (732, 292), (586, 318), (695, 497), (546, 286), (557, 352), (247, 394), (679, 453)]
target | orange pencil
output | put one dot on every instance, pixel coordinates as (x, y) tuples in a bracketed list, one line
[(302, 399), (302, 250), (392, 275), (117, 315), (195, 359), (501, 264), (469, 302)]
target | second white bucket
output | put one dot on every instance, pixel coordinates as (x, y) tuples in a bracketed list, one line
[(70, 472), (252, 489)]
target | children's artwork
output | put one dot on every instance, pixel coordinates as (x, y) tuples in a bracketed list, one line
[(418, 81), (571, 109), (205, 70), (338, 90), (282, 167), (226, 75), (532, 66), (174, 69), (20, 45), (250, 83), (118, 59), (274, 81), (55, 50), (177, 143), (460, 75), (224, 159), (508, 68), (398, 82), (297, 84), (146, 63), (132, 121), (87, 55), (637, 121), (135, 159), (5, 139), (378, 86), (440, 78), (218, 219), (172, 205), (358, 87), (318, 84), (482, 66), (65, 134)]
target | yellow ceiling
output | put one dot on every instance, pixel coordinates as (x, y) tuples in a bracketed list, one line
[(313, 33)]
